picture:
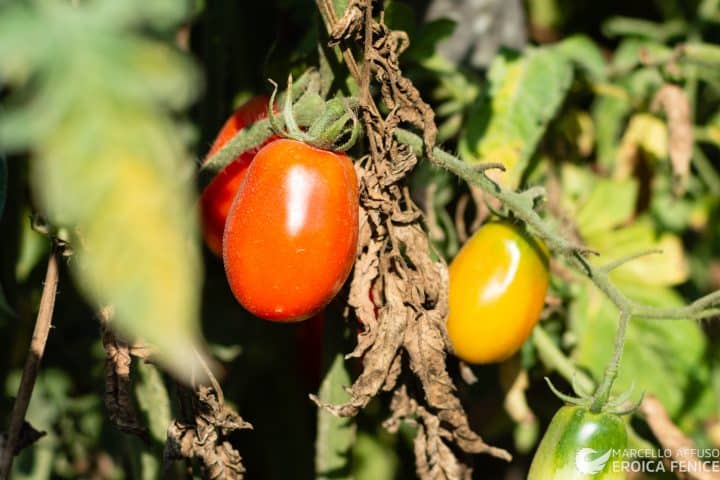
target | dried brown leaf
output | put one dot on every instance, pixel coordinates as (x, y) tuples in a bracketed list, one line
[(671, 437), (405, 319), (675, 103), (118, 385), (206, 437)]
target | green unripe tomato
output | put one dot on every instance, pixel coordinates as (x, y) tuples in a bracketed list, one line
[(581, 445)]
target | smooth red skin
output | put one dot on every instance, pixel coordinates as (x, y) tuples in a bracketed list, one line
[(291, 234), (217, 198)]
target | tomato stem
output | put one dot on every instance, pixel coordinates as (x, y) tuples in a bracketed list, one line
[(602, 394), (522, 205)]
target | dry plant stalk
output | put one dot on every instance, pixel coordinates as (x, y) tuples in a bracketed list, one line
[(394, 263), (118, 385), (206, 439), (18, 435)]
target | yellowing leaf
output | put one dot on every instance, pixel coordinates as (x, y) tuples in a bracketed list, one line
[(661, 269), (645, 134), (109, 163), (611, 202), (524, 94)]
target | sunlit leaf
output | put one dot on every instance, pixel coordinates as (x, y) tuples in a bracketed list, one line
[(108, 159), (632, 52), (645, 134), (661, 269), (610, 203), (524, 94), (661, 32)]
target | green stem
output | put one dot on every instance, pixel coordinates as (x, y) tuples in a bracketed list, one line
[(555, 359), (706, 170), (522, 205), (602, 394)]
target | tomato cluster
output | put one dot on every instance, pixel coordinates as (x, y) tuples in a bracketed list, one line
[(288, 214)]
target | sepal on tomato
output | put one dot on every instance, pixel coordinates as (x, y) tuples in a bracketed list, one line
[(336, 127)]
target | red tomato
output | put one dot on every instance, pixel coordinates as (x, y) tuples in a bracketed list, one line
[(217, 197), (292, 231)]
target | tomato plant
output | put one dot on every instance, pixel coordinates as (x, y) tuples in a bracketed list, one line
[(498, 283), (595, 128), (218, 196), (580, 444), (291, 233)]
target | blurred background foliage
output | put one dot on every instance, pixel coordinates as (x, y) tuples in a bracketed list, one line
[(572, 107)]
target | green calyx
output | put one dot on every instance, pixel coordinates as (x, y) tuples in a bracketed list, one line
[(619, 405), (335, 126)]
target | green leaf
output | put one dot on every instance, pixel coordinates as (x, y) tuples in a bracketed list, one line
[(663, 357), (335, 435), (109, 162), (632, 51), (585, 54), (610, 203), (661, 32), (426, 40), (33, 248), (524, 94), (153, 400), (609, 111), (374, 459)]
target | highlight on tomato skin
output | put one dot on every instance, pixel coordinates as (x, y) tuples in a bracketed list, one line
[(217, 198), (498, 283), (291, 235)]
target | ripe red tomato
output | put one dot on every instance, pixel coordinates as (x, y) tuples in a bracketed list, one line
[(217, 197), (292, 231), (498, 283)]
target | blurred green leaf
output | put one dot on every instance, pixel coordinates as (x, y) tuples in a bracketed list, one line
[(610, 203), (427, 38), (109, 161), (524, 94), (633, 51), (335, 435), (373, 458), (153, 400), (584, 53), (661, 32), (609, 111), (702, 53), (33, 248)]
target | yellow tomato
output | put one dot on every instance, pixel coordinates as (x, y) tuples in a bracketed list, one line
[(498, 283)]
